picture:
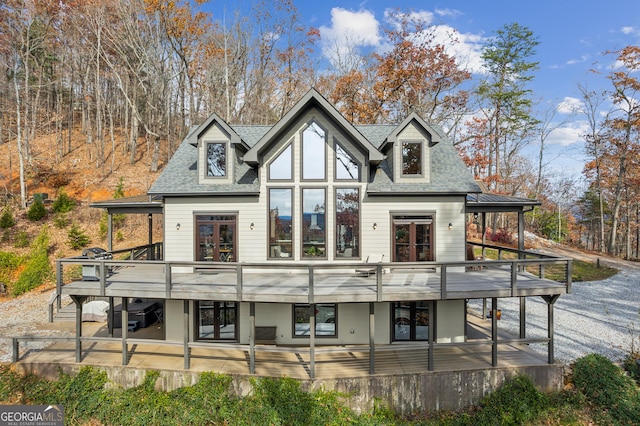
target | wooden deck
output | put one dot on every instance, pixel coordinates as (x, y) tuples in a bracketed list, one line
[(316, 283), (277, 361)]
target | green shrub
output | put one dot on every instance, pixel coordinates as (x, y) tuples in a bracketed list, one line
[(63, 203), (631, 366), (61, 221), (607, 389), (6, 219), (37, 210), (77, 239), (22, 240), (37, 269), (516, 402)]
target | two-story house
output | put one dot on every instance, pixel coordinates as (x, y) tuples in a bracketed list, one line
[(319, 233)]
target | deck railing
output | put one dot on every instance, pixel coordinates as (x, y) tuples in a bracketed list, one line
[(534, 264)]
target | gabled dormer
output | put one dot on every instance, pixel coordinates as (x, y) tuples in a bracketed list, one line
[(409, 150), (219, 150)]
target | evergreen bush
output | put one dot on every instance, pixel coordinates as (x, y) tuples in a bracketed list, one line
[(63, 203), (608, 389), (36, 211), (6, 219), (77, 238)]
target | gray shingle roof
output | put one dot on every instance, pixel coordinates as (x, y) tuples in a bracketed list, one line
[(449, 175), (180, 177)]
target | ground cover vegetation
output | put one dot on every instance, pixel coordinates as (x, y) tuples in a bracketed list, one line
[(597, 392)]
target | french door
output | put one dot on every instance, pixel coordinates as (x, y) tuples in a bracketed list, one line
[(216, 320), (216, 238), (413, 239)]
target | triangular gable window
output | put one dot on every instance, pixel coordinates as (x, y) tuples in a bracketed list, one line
[(281, 167)]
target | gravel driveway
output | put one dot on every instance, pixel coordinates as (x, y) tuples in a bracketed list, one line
[(597, 317)]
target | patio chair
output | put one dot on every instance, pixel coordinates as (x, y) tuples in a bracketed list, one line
[(366, 272)]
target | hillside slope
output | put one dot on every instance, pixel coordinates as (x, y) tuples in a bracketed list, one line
[(84, 179)]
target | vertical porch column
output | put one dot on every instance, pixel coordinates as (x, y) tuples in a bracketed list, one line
[(372, 338), (431, 334), (312, 340), (252, 337), (150, 251), (523, 317), (185, 332), (111, 316), (125, 329), (484, 241), (109, 231), (78, 300), (551, 300), (494, 331)]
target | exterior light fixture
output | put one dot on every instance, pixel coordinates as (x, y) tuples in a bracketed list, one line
[(251, 226), (450, 226), (375, 226), (177, 226)]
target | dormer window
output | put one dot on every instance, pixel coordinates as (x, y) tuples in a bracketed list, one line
[(412, 158), (314, 153), (216, 159)]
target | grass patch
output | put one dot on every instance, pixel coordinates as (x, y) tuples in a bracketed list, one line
[(581, 270)]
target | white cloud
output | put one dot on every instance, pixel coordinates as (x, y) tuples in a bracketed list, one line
[(358, 28), (630, 30), (572, 133), (570, 105), (448, 12), (582, 59), (350, 31)]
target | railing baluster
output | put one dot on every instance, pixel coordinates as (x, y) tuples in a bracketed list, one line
[(311, 289)]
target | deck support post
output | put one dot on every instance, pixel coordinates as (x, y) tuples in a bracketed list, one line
[(311, 289), (185, 332), (252, 338), (110, 318), (494, 331), (78, 300), (523, 317), (551, 300), (372, 338), (484, 307), (125, 330), (109, 230), (150, 252), (312, 340), (431, 335), (59, 284)]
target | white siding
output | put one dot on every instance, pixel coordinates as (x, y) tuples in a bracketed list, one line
[(215, 134), (412, 133), (449, 243)]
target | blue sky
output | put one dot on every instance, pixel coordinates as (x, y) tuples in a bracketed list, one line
[(572, 34)]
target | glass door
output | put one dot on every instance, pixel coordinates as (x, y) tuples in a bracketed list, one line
[(215, 238), (413, 239), (410, 321), (216, 320)]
